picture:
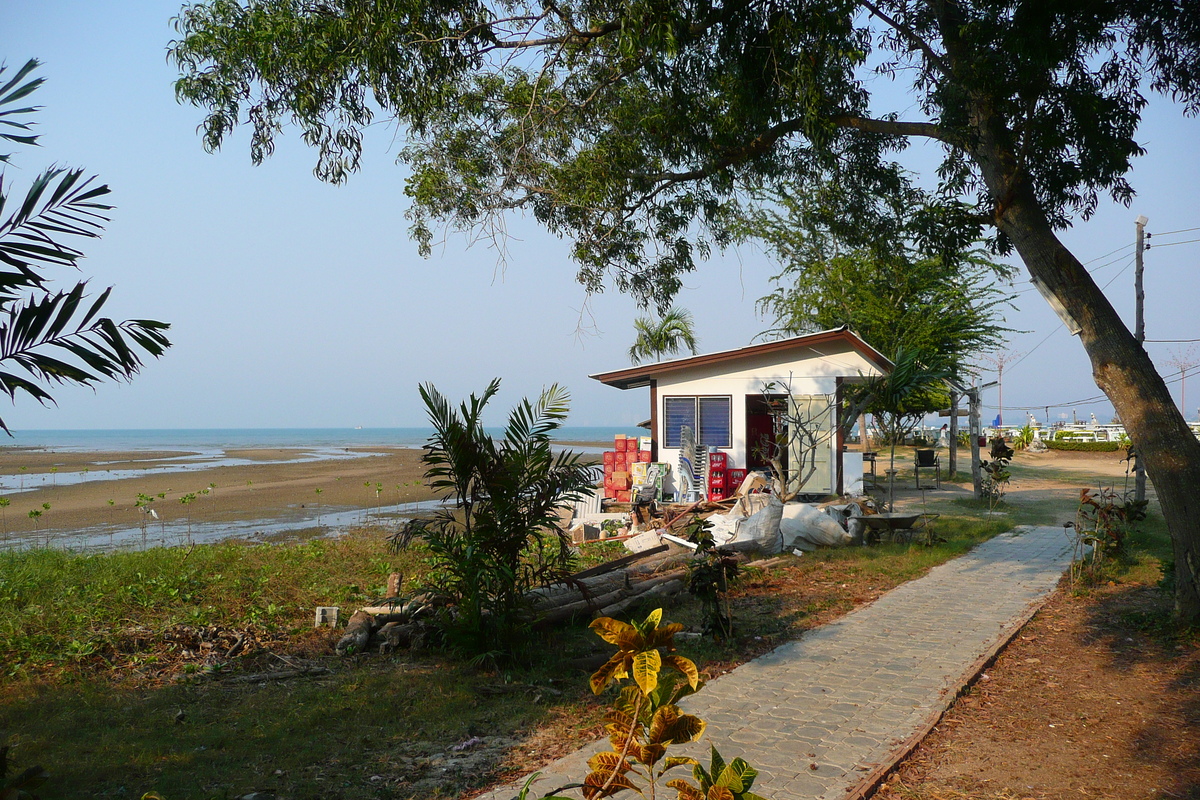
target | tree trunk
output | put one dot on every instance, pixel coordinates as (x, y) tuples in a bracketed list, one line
[(1124, 372)]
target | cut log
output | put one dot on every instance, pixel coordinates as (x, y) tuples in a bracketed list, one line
[(664, 589), (358, 633)]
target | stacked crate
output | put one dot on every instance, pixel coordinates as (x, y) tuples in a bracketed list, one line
[(619, 464), (722, 479)]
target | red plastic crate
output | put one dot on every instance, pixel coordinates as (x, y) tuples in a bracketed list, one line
[(734, 478), (716, 479), (716, 495), (718, 460)]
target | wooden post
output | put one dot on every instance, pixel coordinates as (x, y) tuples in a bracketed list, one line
[(953, 465), (975, 428)]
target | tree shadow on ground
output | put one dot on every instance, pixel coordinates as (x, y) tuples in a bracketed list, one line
[(1133, 626)]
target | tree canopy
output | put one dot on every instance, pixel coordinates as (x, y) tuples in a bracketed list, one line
[(627, 126), (946, 308)]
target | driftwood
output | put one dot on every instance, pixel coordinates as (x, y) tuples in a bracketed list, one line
[(358, 633)]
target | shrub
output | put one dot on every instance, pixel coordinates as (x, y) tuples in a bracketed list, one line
[(1083, 447), (501, 537)]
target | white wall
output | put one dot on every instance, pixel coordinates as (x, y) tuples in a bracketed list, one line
[(815, 374)]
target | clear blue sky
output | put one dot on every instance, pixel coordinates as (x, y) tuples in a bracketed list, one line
[(298, 304)]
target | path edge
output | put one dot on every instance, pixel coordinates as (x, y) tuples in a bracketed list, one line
[(871, 783)]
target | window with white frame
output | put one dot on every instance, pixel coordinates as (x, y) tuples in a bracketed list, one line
[(710, 418)]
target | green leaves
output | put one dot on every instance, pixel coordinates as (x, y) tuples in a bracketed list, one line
[(56, 337), (502, 539)]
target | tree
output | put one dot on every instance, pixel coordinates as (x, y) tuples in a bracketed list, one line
[(55, 337), (669, 335), (626, 126), (946, 307)]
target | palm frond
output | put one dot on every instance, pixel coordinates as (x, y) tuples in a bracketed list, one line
[(12, 91)]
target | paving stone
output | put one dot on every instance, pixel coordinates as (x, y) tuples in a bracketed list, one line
[(849, 692)]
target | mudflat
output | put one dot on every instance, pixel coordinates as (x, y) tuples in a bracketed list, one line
[(102, 488)]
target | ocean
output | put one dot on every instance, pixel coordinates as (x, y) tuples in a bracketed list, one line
[(211, 440)]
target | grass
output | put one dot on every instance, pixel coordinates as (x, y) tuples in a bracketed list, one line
[(110, 713)]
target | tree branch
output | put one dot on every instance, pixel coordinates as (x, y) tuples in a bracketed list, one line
[(912, 37), (928, 130)]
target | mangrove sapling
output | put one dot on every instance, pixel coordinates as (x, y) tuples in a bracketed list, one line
[(4, 503), (318, 506), (187, 501)]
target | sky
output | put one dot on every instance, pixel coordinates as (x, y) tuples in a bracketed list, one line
[(294, 303)]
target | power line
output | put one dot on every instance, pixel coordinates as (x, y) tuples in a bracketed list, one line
[(1181, 230), (1171, 244), (1175, 377), (1172, 341)]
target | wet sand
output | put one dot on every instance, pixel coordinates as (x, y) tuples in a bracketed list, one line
[(276, 483)]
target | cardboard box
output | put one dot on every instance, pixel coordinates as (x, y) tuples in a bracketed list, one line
[(621, 480), (644, 456), (644, 443), (623, 496), (610, 457)]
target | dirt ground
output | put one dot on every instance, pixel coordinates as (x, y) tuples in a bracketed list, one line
[(1098, 697)]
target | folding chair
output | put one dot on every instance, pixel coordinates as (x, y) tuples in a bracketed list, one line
[(928, 460)]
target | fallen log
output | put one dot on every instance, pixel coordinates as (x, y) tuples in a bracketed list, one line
[(664, 589)]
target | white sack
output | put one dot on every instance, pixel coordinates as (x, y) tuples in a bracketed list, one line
[(803, 524), (760, 533)]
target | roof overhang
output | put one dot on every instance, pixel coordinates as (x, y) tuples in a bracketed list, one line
[(642, 375)]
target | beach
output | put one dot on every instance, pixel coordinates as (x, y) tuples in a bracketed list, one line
[(264, 490)]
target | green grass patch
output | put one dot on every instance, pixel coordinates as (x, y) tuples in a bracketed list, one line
[(78, 704)]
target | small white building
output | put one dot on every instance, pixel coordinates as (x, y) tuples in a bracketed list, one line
[(727, 398)]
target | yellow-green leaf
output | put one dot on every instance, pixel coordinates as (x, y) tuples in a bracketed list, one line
[(652, 619), (685, 666), (597, 785), (686, 790), (664, 636), (645, 670), (614, 668), (611, 630), (608, 762), (676, 761), (719, 793)]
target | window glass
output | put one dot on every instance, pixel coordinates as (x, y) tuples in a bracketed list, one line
[(714, 422), (677, 412)]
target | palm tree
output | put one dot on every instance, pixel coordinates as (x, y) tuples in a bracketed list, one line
[(55, 336), (667, 336)]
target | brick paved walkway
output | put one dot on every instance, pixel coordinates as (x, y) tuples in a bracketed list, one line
[(820, 716)]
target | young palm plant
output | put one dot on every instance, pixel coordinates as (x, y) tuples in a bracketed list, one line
[(59, 336), (501, 537)]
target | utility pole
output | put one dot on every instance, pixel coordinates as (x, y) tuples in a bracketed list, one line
[(1139, 334)]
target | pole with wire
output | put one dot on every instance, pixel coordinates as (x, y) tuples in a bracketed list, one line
[(1139, 334)]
